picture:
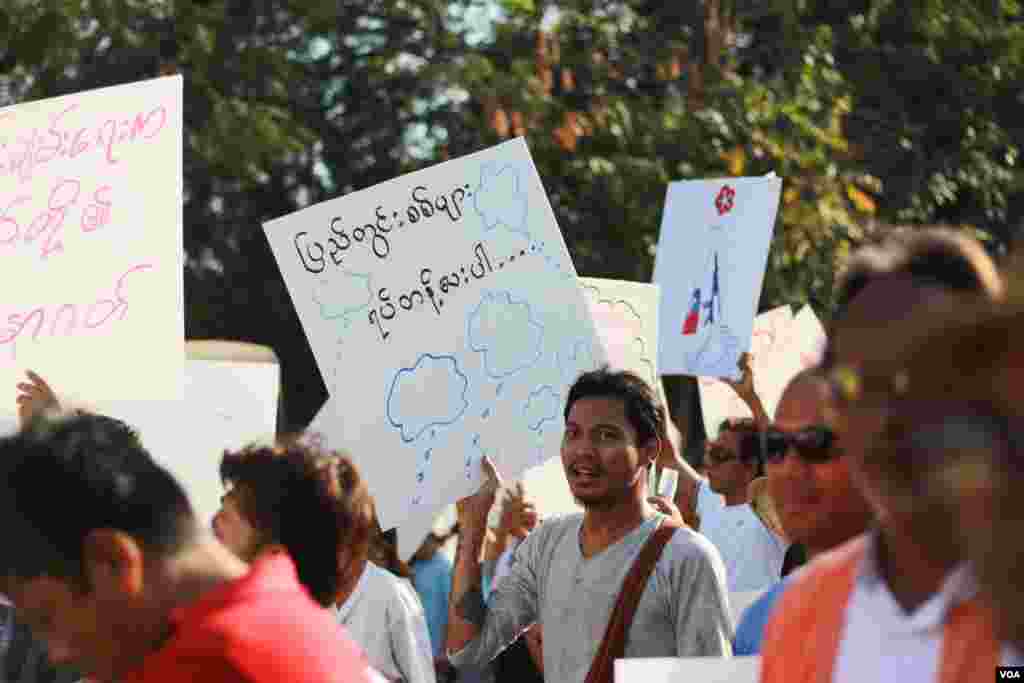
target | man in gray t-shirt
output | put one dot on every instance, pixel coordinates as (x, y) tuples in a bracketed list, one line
[(567, 574)]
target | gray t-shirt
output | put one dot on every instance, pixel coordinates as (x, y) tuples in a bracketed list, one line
[(683, 612)]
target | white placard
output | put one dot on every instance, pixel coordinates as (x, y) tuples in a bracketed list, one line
[(718, 401), (227, 405), (445, 316), (626, 315), (91, 242), (711, 260), (702, 669)]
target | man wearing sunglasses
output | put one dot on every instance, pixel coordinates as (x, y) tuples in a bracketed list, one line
[(753, 552), (895, 603), (810, 484)]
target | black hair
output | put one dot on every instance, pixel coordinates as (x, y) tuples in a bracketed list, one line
[(643, 410), (64, 477)]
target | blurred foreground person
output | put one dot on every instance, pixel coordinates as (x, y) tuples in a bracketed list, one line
[(113, 571), (294, 499), (972, 421), (896, 603)]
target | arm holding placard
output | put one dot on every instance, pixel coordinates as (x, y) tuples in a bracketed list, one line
[(745, 389), (35, 398), (479, 630), (688, 484)]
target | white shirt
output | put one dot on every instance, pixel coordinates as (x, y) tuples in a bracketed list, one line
[(881, 642), (752, 553), (384, 616)]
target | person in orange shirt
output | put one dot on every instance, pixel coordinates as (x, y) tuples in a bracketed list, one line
[(897, 602)]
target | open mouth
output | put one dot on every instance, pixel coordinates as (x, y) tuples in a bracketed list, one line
[(583, 475)]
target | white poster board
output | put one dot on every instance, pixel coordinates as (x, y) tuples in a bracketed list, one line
[(8, 424), (710, 263), (806, 338), (783, 345), (718, 401), (697, 669), (626, 316), (227, 405), (446, 319), (91, 242)]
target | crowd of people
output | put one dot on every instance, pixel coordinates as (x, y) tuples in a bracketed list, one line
[(873, 514)]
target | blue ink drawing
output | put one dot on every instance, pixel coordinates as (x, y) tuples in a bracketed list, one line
[(501, 198), (720, 348), (478, 457), (431, 393), (342, 298), (543, 405), (577, 360), (506, 333)]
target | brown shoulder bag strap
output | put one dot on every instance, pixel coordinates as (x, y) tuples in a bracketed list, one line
[(613, 646)]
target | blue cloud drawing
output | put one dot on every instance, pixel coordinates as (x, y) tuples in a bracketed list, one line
[(506, 333), (429, 394), (576, 360), (543, 405), (338, 299), (501, 198)]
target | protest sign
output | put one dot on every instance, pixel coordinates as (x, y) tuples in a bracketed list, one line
[(227, 405), (703, 669), (805, 339), (626, 316), (446, 319), (91, 242), (710, 263), (719, 401)]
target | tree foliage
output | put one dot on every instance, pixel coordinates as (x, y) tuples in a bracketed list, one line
[(874, 112)]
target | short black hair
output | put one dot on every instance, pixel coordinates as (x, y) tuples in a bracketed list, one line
[(748, 438), (64, 477), (311, 501), (643, 409)]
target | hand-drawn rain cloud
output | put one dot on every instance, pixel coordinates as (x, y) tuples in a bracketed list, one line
[(575, 360), (543, 407), (501, 198), (505, 332), (342, 297), (432, 393)]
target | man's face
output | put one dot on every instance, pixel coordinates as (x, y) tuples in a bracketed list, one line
[(727, 474), (97, 631), (870, 329), (602, 460), (817, 503), (233, 530)]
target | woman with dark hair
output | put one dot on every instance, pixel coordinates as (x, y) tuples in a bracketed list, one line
[(316, 506)]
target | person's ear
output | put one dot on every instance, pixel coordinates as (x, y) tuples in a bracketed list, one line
[(113, 562)]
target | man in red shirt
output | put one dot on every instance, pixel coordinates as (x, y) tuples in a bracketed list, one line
[(107, 563)]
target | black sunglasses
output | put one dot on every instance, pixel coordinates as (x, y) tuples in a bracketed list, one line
[(814, 444)]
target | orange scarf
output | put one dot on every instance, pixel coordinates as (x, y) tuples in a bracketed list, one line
[(801, 640)]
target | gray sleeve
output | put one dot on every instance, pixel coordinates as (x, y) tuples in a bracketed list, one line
[(703, 621), (510, 610)]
